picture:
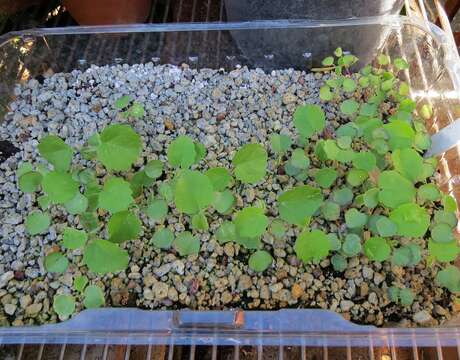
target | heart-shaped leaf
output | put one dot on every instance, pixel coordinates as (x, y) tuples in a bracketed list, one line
[(325, 177), (309, 120), (377, 249), (260, 261), (64, 305), (116, 195), (312, 246), (220, 178), (251, 222), (37, 222), (30, 181), (104, 257), (408, 163), (395, 189), (60, 187), (181, 152), (74, 239), (163, 238), (250, 163), (123, 226), (188, 200), (56, 263), (411, 220), (93, 297), (56, 151), (187, 244), (299, 203)]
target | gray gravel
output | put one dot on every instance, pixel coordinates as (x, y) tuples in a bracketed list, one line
[(223, 110)]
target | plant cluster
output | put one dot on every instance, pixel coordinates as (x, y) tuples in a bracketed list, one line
[(368, 178)]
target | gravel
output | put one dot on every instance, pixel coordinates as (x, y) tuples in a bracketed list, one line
[(223, 110)]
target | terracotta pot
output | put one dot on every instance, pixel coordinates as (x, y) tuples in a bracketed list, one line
[(108, 12)]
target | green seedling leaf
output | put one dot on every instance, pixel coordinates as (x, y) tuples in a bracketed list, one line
[(411, 220), (325, 177), (328, 61), (30, 181), (250, 163), (299, 159), (89, 151), (64, 305), (56, 151), (355, 219), (77, 205), (182, 152), (295, 206), (330, 210), (442, 233), (278, 228), (449, 278), (386, 227), (349, 107), (37, 222), (80, 282), (200, 152), (426, 111), (220, 178), (56, 263), (336, 245), (400, 133), (395, 189), (139, 181), (186, 244), (251, 222), (123, 102), (154, 169), (188, 200), (89, 222), (312, 246), (123, 226), (343, 196), (92, 194), (393, 293), (103, 257), (137, 110), (406, 297), (422, 141), (24, 168), (200, 222), (44, 202), (120, 147), (377, 249), (166, 192), (383, 59), (371, 198), (356, 177), (280, 143), (260, 261), (157, 209), (163, 239), (449, 203), (339, 263), (60, 187), (400, 64), (349, 85), (364, 161), (116, 195), (344, 142), (428, 192), (93, 297), (325, 93), (223, 201), (408, 255), (338, 52), (352, 245), (309, 120), (445, 217), (408, 163), (226, 232), (74, 239)]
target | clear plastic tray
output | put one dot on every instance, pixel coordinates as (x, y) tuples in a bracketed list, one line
[(434, 77)]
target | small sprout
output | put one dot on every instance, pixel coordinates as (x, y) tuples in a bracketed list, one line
[(89, 222), (136, 111), (77, 205), (200, 222), (328, 61), (325, 177), (120, 147), (37, 222), (344, 142), (220, 178), (449, 203), (186, 244), (356, 177), (368, 109), (166, 191), (251, 222), (343, 196), (339, 263), (395, 189), (408, 255), (226, 232), (355, 219), (250, 163), (406, 297), (400, 133), (157, 209), (154, 169), (24, 168), (123, 226), (30, 181), (408, 163), (312, 246), (411, 220), (223, 202), (44, 202), (371, 198), (278, 229), (187, 199), (103, 257), (349, 107), (364, 161), (426, 111), (123, 102), (299, 160), (383, 59), (56, 262), (80, 282), (295, 206), (200, 152), (325, 93), (338, 52), (445, 217), (336, 245), (74, 239), (260, 261), (280, 143), (64, 305), (330, 210), (400, 64), (116, 195), (163, 238), (422, 141), (386, 227), (309, 120), (442, 233), (377, 249), (393, 293), (182, 152), (93, 297), (349, 85), (428, 192), (56, 151), (449, 278), (60, 187), (352, 245), (443, 252)]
